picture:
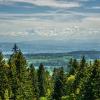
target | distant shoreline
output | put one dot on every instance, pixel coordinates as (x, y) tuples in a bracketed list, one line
[(75, 54), (49, 53)]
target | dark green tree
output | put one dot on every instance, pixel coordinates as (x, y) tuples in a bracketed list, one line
[(63, 80), (15, 48), (88, 93), (22, 87), (3, 78), (34, 80), (83, 63), (73, 66), (59, 85), (70, 66), (80, 72), (13, 82), (96, 79), (41, 80), (58, 89), (55, 71)]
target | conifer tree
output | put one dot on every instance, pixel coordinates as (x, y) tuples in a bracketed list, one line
[(83, 63), (54, 74), (58, 89), (80, 72), (3, 78), (88, 91), (75, 66), (15, 48), (70, 62), (20, 73), (63, 80), (70, 66), (96, 79), (13, 82), (34, 80), (41, 81)]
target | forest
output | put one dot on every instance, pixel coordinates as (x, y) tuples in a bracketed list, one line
[(20, 81)]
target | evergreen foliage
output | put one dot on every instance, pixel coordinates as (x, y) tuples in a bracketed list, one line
[(42, 80), (18, 81), (34, 80), (3, 77)]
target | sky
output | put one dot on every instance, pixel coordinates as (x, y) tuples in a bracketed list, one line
[(72, 21)]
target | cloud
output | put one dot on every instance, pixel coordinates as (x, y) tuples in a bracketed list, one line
[(50, 26), (53, 3), (96, 7), (49, 3), (60, 24)]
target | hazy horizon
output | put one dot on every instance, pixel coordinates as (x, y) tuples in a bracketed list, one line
[(33, 48), (72, 24)]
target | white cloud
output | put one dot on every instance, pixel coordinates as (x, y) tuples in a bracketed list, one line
[(54, 25), (96, 7), (60, 24), (53, 3), (49, 3), (33, 27)]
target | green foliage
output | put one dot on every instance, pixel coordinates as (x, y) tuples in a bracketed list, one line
[(18, 81), (42, 80), (65, 98), (3, 78), (71, 79), (58, 89), (34, 80), (73, 66), (43, 98), (59, 85)]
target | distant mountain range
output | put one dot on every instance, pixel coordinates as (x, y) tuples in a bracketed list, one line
[(83, 52), (87, 54), (46, 49), (73, 54)]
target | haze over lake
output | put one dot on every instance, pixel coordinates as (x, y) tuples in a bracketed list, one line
[(49, 47)]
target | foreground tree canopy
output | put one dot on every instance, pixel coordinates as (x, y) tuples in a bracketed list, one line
[(19, 81)]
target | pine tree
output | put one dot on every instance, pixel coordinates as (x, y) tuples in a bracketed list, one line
[(41, 81), (55, 71), (61, 74), (88, 91), (22, 85), (13, 82), (21, 65), (80, 72), (70, 66), (96, 79), (83, 63), (75, 65), (74, 72), (34, 80), (3, 78), (58, 89), (63, 80), (15, 48)]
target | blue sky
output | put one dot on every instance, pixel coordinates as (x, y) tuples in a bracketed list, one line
[(60, 20)]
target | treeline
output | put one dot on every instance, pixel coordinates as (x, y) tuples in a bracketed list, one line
[(18, 81)]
